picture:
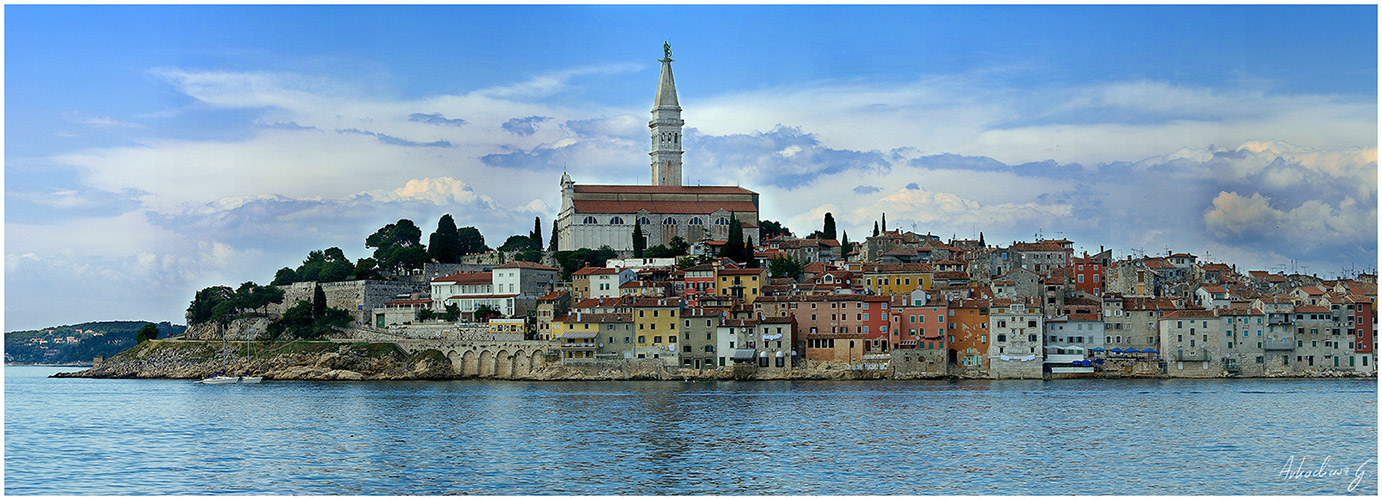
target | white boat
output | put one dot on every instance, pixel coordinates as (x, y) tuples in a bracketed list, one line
[(251, 380), (220, 379)]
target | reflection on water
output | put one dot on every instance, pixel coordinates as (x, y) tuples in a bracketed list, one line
[(131, 437)]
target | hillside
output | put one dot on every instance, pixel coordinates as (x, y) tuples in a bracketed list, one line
[(77, 343)]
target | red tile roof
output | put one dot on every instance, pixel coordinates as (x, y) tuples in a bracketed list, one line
[(1310, 309), (484, 277), (519, 264)]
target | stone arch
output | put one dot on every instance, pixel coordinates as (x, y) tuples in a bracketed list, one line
[(455, 359), (536, 360), (521, 364), (503, 364), (486, 364), (470, 365)]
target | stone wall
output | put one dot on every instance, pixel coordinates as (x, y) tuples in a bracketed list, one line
[(918, 363), (359, 297)]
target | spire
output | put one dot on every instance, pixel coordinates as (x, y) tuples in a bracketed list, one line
[(666, 85)]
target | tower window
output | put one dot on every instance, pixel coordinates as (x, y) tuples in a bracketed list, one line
[(617, 220), (589, 220)]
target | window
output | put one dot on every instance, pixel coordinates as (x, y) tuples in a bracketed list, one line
[(616, 220), (644, 221), (669, 222), (696, 221), (722, 221), (588, 220)]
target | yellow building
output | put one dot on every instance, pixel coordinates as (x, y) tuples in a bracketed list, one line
[(892, 279), (746, 284), (656, 329)]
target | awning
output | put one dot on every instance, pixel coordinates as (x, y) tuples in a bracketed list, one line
[(1153, 351), (743, 355), (578, 335), (1116, 349)]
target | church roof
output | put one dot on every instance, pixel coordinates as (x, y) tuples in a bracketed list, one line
[(663, 199), (666, 86)]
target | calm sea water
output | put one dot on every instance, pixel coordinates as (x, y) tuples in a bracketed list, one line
[(136, 437)]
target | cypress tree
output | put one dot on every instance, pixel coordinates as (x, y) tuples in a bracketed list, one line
[(735, 244), (553, 244), (885, 221), (749, 260), (444, 245), (639, 242), (318, 302), (981, 240), (829, 230), (875, 228), (536, 237), (845, 246)]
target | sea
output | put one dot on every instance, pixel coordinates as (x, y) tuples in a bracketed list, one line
[(482, 437)]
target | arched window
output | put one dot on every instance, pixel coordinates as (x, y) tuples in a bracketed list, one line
[(723, 221), (589, 220), (644, 221), (696, 221), (617, 220), (669, 221)]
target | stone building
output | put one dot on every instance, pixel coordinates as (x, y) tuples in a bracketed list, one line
[(359, 297), (698, 345), (592, 216), (1015, 350)]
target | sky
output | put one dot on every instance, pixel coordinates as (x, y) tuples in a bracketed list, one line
[(151, 151)]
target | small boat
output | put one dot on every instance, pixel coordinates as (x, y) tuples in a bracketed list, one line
[(251, 380), (220, 379)]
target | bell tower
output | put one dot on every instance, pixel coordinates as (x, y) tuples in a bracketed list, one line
[(666, 127)]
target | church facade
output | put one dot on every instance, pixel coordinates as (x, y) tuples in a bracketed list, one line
[(592, 216)]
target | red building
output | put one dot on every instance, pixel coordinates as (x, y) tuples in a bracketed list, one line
[(1088, 275), (919, 326)]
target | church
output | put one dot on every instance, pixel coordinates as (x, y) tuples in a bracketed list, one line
[(593, 215)]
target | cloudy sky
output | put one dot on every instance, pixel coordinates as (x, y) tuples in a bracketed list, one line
[(154, 151)]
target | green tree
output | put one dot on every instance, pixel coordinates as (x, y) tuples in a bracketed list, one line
[(471, 240), (885, 221), (679, 246), (845, 245), (146, 333), (552, 246), (453, 312), (397, 247), (828, 231), (733, 248), (639, 241), (205, 302), (444, 244), (536, 236), (749, 260), (784, 267), (285, 276), (366, 269), (301, 321), (571, 260), (529, 256), (318, 302), (771, 229), (425, 315), (875, 228), (516, 243), (485, 312)]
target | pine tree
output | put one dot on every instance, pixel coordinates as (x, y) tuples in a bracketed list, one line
[(829, 230), (640, 243)]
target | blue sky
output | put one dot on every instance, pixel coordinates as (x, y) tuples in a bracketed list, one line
[(157, 150)]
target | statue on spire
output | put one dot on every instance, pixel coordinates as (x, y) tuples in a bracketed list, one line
[(666, 49)]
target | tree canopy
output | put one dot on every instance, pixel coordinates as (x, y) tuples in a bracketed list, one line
[(397, 248), (770, 229), (828, 228), (444, 245)]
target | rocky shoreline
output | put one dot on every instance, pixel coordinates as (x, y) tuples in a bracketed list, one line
[(327, 360)]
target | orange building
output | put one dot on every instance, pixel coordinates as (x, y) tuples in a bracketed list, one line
[(969, 333)]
